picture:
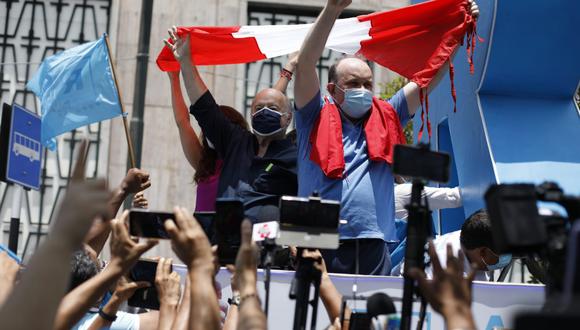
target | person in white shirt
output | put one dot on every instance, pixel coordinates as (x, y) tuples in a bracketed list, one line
[(476, 241)]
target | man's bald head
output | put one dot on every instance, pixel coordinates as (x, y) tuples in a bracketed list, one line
[(271, 98), (348, 72), (348, 65)]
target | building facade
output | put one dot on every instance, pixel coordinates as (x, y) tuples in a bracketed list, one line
[(32, 30)]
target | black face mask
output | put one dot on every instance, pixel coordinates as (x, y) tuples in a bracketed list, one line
[(266, 122)]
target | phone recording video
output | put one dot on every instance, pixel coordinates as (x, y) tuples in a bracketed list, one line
[(144, 270), (144, 223), (228, 219)]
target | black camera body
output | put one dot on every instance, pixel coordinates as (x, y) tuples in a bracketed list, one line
[(519, 228)]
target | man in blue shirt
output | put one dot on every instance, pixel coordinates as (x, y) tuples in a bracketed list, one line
[(366, 187)]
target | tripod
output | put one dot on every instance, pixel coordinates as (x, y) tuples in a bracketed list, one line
[(418, 229), (306, 275), (269, 246)]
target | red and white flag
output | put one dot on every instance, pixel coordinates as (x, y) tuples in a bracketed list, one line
[(414, 41)]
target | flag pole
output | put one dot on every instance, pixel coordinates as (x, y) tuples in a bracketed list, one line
[(124, 114)]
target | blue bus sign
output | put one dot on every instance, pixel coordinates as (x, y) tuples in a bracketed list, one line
[(24, 148)]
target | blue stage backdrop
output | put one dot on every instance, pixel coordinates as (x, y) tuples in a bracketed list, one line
[(516, 119)]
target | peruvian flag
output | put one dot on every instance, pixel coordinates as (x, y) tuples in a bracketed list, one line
[(414, 41)]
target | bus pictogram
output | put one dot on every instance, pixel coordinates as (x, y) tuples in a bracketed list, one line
[(27, 147)]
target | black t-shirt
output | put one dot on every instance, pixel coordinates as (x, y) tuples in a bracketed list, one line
[(265, 178)]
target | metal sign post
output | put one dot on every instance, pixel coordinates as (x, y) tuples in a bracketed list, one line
[(15, 218)]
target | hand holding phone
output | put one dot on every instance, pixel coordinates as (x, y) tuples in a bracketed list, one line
[(145, 271), (124, 250), (228, 219), (188, 240)]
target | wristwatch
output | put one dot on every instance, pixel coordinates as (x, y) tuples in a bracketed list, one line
[(234, 300), (107, 317)]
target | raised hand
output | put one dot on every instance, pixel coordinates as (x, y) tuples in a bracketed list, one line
[(189, 241), (318, 260), (125, 288), (179, 46), (167, 283), (246, 261), (125, 251), (135, 181), (139, 201), (473, 9)]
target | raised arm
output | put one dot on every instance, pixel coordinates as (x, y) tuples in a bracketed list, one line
[(124, 253), (250, 315), (411, 90), (214, 124), (167, 284), (189, 140), (135, 181), (307, 83), (331, 298), (45, 280), (180, 47), (286, 74), (123, 291), (181, 321), (192, 246)]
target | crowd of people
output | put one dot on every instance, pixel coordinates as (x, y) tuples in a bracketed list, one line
[(341, 149)]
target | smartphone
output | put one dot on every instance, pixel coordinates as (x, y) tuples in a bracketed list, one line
[(150, 224), (310, 212), (206, 220), (421, 163), (144, 270), (229, 214)]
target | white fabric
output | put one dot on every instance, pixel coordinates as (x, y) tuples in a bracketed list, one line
[(441, 249), (277, 40), (438, 198)]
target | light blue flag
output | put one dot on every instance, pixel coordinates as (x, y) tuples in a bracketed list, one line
[(76, 88)]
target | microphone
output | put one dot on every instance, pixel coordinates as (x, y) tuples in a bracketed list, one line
[(382, 312)]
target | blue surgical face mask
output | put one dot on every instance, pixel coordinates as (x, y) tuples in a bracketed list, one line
[(504, 260), (266, 122), (357, 102)]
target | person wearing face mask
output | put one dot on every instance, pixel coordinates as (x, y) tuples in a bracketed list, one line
[(345, 143), (258, 166), (476, 241)]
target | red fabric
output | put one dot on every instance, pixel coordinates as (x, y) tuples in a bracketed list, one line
[(382, 131), (417, 40), (420, 39), (213, 45)]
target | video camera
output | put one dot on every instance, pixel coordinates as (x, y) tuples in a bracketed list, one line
[(518, 227)]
